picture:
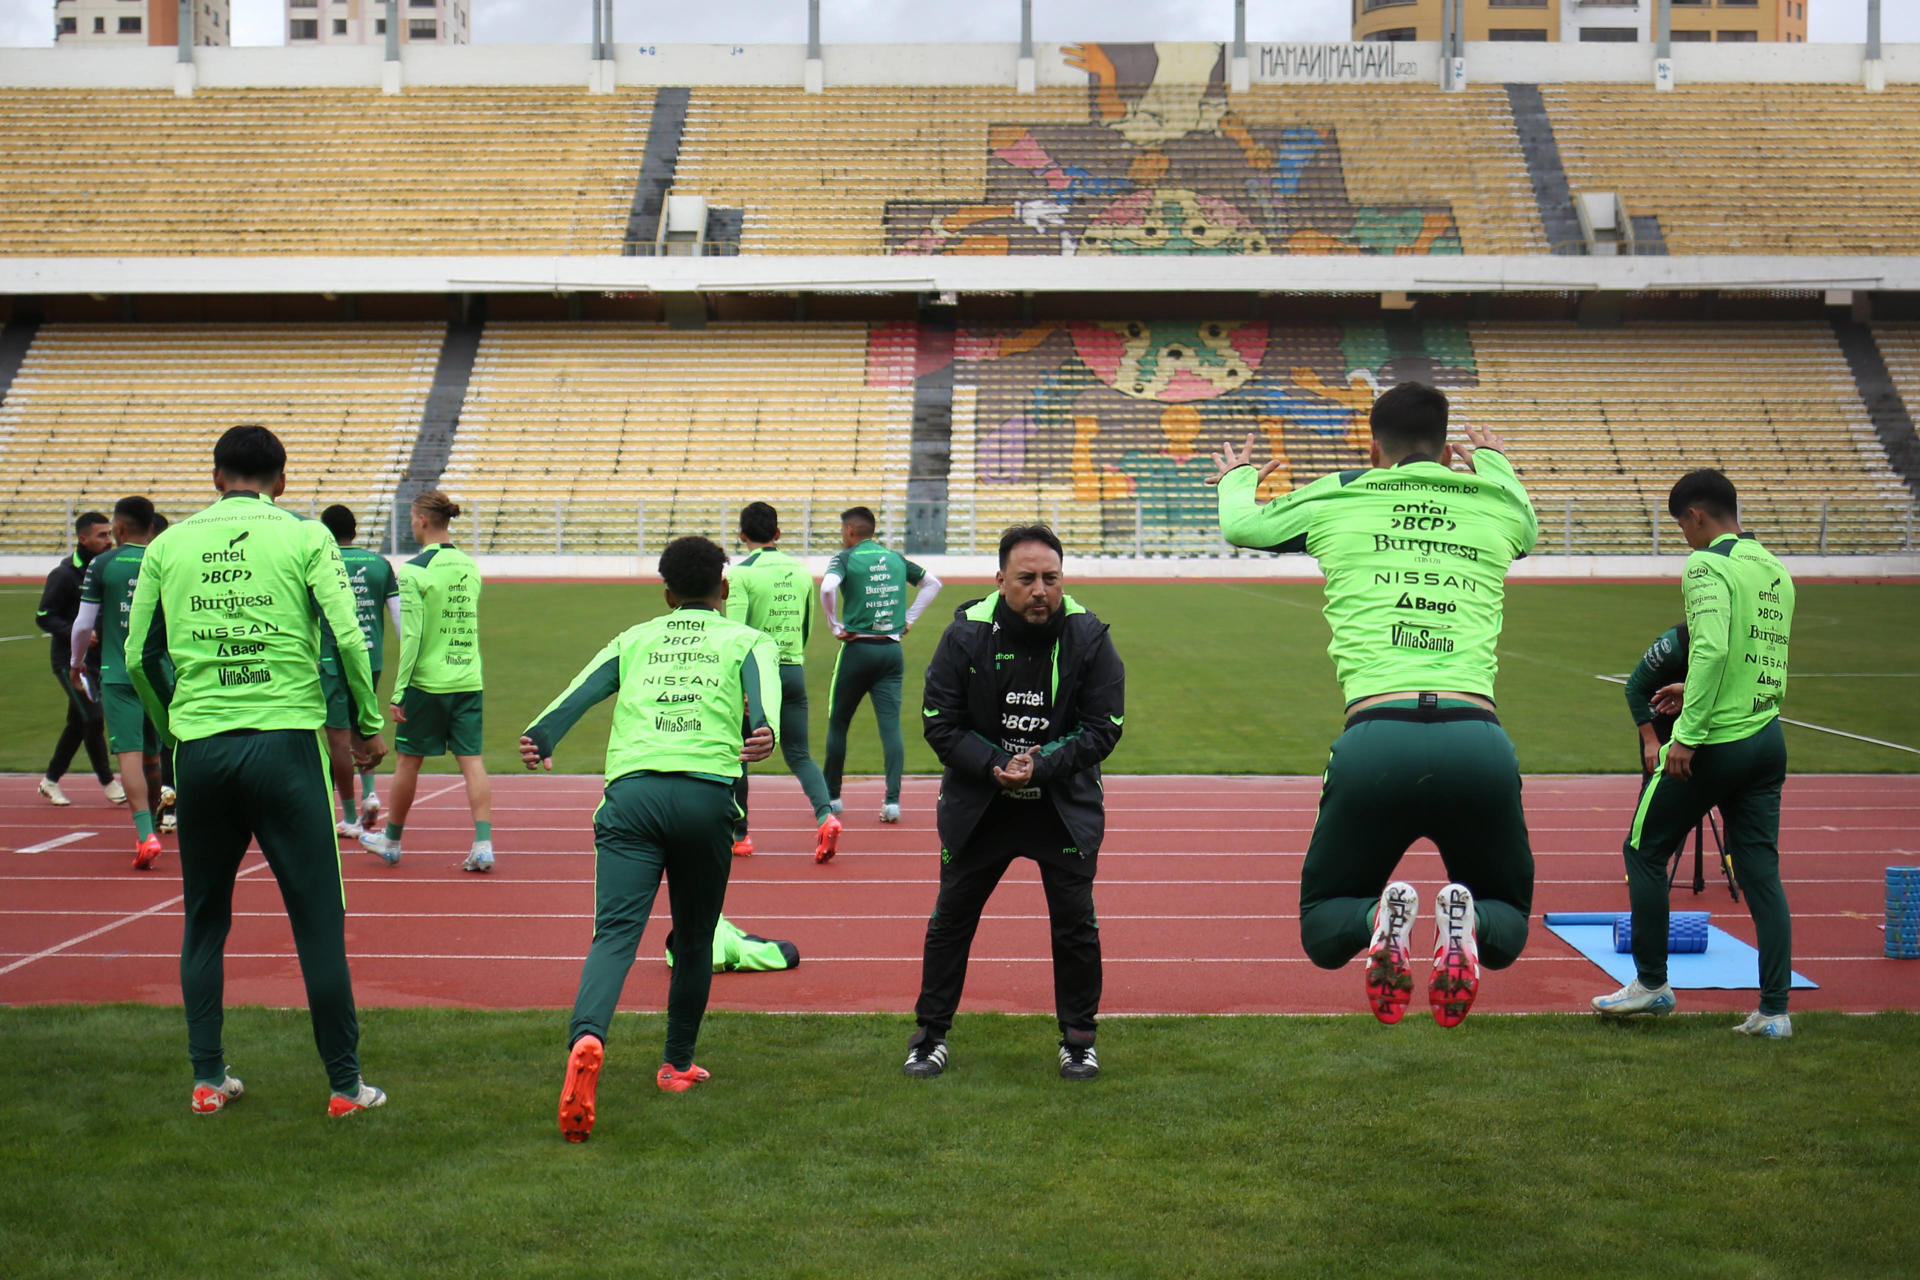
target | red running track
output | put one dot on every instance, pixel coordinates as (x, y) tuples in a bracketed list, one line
[(1197, 893)]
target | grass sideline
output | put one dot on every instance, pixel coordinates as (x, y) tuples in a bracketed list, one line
[(1194, 651), (1514, 1146)]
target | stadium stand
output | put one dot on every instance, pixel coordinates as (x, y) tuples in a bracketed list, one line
[(101, 411), (665, 429), (318, 171), (1900, 348), (1751, 168)]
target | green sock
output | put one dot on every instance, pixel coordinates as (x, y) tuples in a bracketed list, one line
[(142, 823), (482, 831), (393, 832), (347, 812), (366, 786)]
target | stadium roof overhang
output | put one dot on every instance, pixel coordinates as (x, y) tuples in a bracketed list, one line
[(959, 275)]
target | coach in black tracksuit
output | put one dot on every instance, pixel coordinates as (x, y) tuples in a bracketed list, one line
[(1024, 699), (59, 606)]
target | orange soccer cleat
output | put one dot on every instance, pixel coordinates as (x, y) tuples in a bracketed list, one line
[(1390, 954), (828, 842), (674, 1081), (743, 847), (1456, 957), (146, 853), (576, 1093)]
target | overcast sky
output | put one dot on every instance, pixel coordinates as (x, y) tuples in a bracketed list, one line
[(30, 22)]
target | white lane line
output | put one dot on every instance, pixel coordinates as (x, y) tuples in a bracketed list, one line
[(913, 959), (70, 838), (4, 639), (374, 880), (91, 934), (1817, 728)]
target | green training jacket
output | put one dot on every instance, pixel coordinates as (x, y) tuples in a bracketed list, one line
[(439, 623), (374, 583), (234, 595), (772, 591), (1739, 616), (109, 582), (873, 588)]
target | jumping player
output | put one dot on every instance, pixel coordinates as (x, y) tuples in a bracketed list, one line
[(684, 684), (436, 691), (375, 587), (870, 664), (228, 596), (772, 591), (106, 602), (1415, 556), (1727, 751)]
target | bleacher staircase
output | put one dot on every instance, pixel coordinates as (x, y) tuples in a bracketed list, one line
[(439, 422), (1542, 152), (1886, 408)]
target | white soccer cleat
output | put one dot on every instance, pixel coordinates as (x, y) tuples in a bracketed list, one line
[(377, 842), (889, 813), (369, 812), (1390, 953), (1456, 957), (168, 798), (345, 1104), (209, 1098), (169, 822), (51, 790), (115, 792), (1633, 1000), (350, 829), (481, 859), (1767, 1026)]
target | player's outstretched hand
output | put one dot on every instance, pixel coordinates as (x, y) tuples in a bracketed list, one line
[(1478, 438), (1668, 699), (756, 746), (1227, 459), (369, 752), (530, 755), (1018, 772), (1679, 760)]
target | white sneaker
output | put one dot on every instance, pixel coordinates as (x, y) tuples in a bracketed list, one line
[(1634, 999), (377, 842), (209, 1098), (352, 829), (345, 1104), (115, 792), (51, 790), (369, 812), (1390, 953), (889, 813), (169, 822), (1456, 957), (1767, 1026), (481, 859)]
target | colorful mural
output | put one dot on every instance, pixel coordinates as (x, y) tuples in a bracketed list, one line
[(1164, 165)]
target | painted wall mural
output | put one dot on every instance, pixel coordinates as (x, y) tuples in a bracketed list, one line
[(1164, 165)]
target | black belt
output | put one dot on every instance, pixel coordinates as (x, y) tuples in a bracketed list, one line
[(1428, 712)]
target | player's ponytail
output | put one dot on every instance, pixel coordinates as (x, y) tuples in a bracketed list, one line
[(437, 507)]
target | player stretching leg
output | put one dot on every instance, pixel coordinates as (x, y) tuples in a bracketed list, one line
[(1727, 751), (683, 685), (106, 602), (870, 664), (772, 591), (375, 587), (1415, 557), (242, 698), (436, 691)]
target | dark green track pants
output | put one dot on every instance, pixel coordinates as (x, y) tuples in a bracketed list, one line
[(867, 669), (1743, 780), (272, 786), (793, 749), (1391, 782), (650, 825)]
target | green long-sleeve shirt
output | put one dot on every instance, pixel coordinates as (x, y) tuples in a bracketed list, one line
[(234, 595), (684, 685), (1416, 561), (772, 591), (109, 582), (439, 623), (1739, 617), (374, 583), (1664, 663)]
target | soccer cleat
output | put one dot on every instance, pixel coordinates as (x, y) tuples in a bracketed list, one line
[(672, 1080), (833, 806), (169, 822), (743, 847), (1390, 953), (827, 842), (146, 853), (369, 812), (209, 1098), (926, 1054), (115, 792), (168, 798), (576, 1092), (51, 790), (1456, 957), (1078, 1061), (1767, 1026), (1634, 999), (377, 842), (350, 829), (481, 859), (345, 1104), (889, 813)]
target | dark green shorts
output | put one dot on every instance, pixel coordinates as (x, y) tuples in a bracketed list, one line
[(128, 728), (334, 686), (437, 723)]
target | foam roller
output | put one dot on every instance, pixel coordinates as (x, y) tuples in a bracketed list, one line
[(1903, 913), (1686, 932)]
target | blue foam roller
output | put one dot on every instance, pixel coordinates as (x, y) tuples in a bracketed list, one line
[(1686, 932)]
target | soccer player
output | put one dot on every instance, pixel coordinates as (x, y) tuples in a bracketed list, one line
[(375, 587), (106, 602), (684, 686), (59, 603), (772, 591), (1727, 751), (1024, 698), (1415, 555), (224, 648), (870, 664), (169, 819), (436, 691)]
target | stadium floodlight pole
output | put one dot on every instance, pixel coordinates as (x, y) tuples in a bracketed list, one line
[(186, 31), (1875, 73), (1025, 79), (1663, 44), (599, 45), (393, 30), (1026, 28), (1240, 71), (606, 48), (813, 29)]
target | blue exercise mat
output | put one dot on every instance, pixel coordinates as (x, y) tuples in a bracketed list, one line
[(1726, 964)]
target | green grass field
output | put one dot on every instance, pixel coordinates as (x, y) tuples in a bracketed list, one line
[(1544, 1146), (1222, 678)]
